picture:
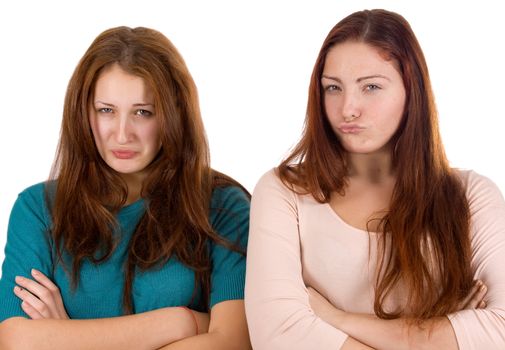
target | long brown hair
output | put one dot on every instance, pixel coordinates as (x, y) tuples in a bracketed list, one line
[(427, 225), (178, 188)]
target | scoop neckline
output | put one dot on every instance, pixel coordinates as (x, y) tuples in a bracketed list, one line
[(346, 224)]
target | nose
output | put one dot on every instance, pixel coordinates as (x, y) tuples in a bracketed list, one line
[(123, 130), (351, 108)]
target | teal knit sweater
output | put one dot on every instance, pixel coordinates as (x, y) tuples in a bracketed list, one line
[(100, 289)]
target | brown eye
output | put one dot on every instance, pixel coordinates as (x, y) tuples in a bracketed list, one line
[(331, 88), (144, 113)]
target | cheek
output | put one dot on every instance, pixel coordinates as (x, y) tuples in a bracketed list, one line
[(102, 131), (331, 108), (151, 135), (397, 114), (99, 131)]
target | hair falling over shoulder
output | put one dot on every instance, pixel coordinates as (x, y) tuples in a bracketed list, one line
[(428, 222), (178, 188)]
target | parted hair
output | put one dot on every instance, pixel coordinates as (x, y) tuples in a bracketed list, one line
[(179, 183), (428, 221)]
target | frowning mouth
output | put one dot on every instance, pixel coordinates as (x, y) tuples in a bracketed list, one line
[(124, 154)]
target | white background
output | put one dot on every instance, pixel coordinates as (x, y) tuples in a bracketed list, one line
[(251, 61)]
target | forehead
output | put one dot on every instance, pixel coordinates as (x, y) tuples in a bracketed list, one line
[(114, 80), (355, 58)]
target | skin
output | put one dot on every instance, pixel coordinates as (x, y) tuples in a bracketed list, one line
[(124, 124), (364, 99), (362, 90), (126, 133)]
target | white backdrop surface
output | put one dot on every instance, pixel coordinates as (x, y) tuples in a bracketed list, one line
[(251, 61)]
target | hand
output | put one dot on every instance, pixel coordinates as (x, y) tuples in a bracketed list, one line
[(41, 298), (324, 309), (475, 298)]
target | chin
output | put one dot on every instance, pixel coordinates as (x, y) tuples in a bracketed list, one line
[(365, 149), (124, 169)]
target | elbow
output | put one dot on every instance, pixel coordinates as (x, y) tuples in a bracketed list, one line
[(262, 343), (11, 333), (261, 336), (263, 339), (258, 334)]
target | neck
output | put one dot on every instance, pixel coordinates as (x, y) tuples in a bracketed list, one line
[(134, 184), (372, 167)]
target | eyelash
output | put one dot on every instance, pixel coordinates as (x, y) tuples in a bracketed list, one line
[(366, 88), (330, 88), (371, 87), (139, 112), (143, 113)]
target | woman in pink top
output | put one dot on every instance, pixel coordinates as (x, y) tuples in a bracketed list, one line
[(364, 237)]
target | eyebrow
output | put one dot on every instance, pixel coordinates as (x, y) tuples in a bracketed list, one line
[(360, 79), (135, 104)]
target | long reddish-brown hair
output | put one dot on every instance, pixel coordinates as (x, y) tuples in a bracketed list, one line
[(178, 188), (427, 224)]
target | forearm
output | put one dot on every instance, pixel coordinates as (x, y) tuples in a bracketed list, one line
[(353, 344), (150, 330), (211, 341), (227, 330), (436, 333)]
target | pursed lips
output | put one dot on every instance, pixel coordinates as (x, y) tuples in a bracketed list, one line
[(347, 128)]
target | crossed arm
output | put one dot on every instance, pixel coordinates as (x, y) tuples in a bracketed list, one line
[(166, 328), (298, 320), (435, 333)]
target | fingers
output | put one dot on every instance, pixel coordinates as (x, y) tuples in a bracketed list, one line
[(478, 297), (41, 296), (31, 311), (470, 294), (475, 298), (33, 287), (53, 290), (31, 302), (43, 280)]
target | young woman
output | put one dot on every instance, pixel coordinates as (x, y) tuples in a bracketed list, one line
[(135, 242), (364, 237)]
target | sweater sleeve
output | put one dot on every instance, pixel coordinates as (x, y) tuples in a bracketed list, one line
[(27, 247), (485, 328), (276, 300), (230, 219)]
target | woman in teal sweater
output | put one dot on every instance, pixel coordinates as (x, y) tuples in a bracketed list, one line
[(134, 242)]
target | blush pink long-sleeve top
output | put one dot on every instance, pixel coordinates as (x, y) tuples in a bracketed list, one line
[(295, 242)]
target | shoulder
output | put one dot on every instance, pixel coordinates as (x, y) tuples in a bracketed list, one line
[(479, 189), (228, 197), (34, 192), (487, 210), (270, 180), (270, 186), (30, 219), (33, 199), (229, 210)]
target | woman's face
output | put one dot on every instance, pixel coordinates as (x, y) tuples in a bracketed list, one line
[(364, 96), (122, 118)]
